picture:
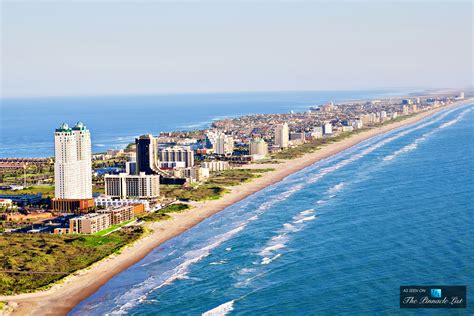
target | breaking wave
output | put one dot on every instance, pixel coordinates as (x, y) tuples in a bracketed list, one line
[(220, 310)]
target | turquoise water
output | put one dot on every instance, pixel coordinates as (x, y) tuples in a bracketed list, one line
[(338, 237), (27, 124)]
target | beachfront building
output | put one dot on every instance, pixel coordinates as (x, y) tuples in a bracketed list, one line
[(258, 148), (141, 186), (72, 169), (297, 138), (282, 135), (327, 129), (73, 162), (109, 202), (192, 174), (119, 214), (176, 154), (216, 165), (89, 223), (317, 132)]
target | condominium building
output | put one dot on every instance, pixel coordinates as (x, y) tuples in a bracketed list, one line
[(317, 132), (327, 128), (177, 154), (216, 165), (119, 214), (146, 154), (73, 164), (109, 202), (220, 143), (89, 223), (258, 148), (282, 135), (140, 186), (192, 174), (404, 109)]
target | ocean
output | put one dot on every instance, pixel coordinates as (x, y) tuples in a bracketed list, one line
[(339, 237), (27, 124)]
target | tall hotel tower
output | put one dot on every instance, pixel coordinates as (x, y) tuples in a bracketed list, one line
[(72, 167), (282, 135)]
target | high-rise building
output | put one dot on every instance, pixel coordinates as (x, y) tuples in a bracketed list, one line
[(73, 164), (221, 143), (224, 144), (258, 148), (147, 156), (282, 135), (177, 154), (140, 186)]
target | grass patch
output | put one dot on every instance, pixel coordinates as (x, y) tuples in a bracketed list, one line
[(46, 190), (196, 193), (162, 213), (53, 253), (234, 177), (112, 228)]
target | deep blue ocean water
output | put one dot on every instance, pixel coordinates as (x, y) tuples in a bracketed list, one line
[(338, 237), (27, 124)]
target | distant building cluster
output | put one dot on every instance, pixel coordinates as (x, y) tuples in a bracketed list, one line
[(184, 158)]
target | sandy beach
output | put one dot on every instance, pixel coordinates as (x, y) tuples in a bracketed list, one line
[(62, 297)]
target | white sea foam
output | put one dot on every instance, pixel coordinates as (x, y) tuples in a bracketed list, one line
[(220, 310), (267, 260), (139, 293), (305, 219), (266, 251), (218, 262), (457, 119), (336, 188), (376, 145), (416, 142)]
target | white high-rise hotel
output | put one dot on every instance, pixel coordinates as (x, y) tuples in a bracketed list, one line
[(72, 166)]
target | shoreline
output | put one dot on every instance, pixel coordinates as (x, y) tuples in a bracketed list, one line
[(62, 297)]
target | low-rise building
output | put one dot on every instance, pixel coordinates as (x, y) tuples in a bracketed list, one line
[(119, 214), (89, 223), (109, 202), (216, 165), (192, 174)]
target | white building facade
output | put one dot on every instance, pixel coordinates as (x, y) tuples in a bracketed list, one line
[(73, 162), (141, 186)]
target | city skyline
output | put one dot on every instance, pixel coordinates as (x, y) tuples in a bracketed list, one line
[(163, 48)]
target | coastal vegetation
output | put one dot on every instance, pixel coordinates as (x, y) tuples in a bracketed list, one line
[(215, 187), (162, 214), (29, 262), (199, 192), (233, 177)]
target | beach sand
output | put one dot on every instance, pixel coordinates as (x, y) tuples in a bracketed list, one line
[(62, 297)]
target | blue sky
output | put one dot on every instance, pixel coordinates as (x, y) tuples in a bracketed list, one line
[(94, 48)]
